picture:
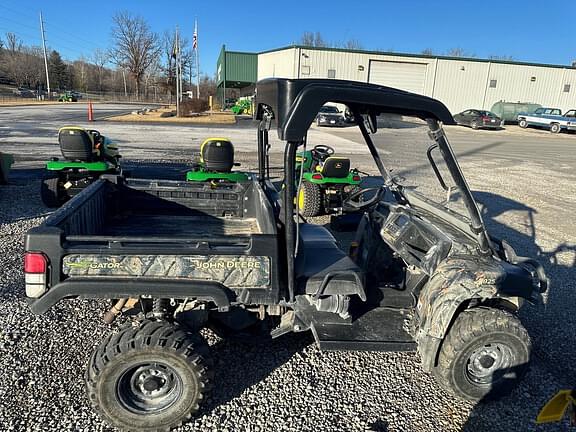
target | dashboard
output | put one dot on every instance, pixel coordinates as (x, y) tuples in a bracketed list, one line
[(416, 240)]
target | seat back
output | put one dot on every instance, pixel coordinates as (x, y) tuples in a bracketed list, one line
[(76, 144), (337, 167), (217, 154)]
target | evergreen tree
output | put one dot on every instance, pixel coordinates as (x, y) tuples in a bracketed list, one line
[(59, 74)]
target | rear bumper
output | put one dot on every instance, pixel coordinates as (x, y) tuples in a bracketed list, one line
[(114, 288)]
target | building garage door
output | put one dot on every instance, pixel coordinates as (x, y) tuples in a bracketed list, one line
[(405, 76)]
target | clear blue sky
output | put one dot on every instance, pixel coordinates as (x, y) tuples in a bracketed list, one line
[(539, 32)]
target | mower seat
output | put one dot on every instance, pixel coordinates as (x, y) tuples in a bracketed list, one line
[(336, 167), (322, 266), (217, 154), (76, 144)]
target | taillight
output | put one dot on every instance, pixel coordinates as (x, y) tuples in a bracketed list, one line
[(355, 178), (35, 273), (317, 176)]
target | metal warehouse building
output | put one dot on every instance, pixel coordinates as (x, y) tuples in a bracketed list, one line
[(460, 83)]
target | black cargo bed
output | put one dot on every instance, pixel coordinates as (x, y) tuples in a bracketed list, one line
[(142, 225)]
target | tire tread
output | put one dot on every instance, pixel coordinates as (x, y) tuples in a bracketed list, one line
[(471, 324), (150, 334)]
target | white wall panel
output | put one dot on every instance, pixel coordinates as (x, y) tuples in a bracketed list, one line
[(460, 84), (402, 75)]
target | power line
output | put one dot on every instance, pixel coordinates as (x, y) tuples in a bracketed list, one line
[(55, 33), (19, 34)]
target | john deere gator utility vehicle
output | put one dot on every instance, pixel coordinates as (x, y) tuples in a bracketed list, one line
[(87, 154), (216, 163), (327, 181), (421, 275)]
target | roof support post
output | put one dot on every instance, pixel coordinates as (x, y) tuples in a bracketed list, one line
[(289, 224), (476, 222)]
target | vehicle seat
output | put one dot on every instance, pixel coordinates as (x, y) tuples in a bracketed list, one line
[(322, 266), (76, 144), (217, 154), (337, 167)]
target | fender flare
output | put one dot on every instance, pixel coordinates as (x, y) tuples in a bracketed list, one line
[(457, 281)]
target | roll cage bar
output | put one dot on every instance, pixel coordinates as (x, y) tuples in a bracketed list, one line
[(292, 105)]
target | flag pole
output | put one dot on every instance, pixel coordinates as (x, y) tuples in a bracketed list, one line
[(197, 59), (177, 74)]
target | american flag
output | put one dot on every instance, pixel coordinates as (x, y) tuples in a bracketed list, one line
[(195, 37)]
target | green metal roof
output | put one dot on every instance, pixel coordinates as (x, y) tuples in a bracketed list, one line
[(397, 54), (239, 69)]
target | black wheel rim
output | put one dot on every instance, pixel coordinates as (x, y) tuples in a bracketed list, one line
[(489, 364), (149, 388)]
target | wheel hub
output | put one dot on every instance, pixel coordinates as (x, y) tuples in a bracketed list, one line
[(149, 388), (489, 363), (151, 381)]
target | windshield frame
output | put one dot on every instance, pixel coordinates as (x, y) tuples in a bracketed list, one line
[(438, 136)]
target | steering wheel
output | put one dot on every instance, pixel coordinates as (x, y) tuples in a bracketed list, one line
[(95, 135), (355, 201), (322, 151)]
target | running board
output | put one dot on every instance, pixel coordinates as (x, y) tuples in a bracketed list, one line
[(377, 329), (347, 345)]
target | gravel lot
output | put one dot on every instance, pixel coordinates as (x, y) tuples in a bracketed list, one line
[(290, 385)]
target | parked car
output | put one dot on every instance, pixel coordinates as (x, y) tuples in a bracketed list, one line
[(508, 111), (478, 119), (24, 92), (76, 94), (330, 115), (550, 118)]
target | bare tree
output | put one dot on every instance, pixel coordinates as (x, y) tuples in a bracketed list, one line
[(100, 58), (353, 44), (427, 52), (25, 68), (501, 57), (136, 47), (459, 52), (13, 43), (169, 59), (313, 40)]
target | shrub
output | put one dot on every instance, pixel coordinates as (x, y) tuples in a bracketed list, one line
[(193, 106)]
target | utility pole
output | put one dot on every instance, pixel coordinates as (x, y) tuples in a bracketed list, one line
[(45, 56), (125, 87)]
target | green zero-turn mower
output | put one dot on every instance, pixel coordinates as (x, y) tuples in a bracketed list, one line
[(87, 155), (216, 162), (327, 181)]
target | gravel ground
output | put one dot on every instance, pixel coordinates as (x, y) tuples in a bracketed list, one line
[(290, 385)]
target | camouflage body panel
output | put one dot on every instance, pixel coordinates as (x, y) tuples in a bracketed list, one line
[(456, 280), (232, 271)]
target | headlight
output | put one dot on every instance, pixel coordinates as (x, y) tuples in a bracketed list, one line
[(322, 118)]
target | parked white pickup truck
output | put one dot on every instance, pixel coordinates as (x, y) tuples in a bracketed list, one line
[(551, 118)]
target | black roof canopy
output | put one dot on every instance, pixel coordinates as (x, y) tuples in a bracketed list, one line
[(296, 102)]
